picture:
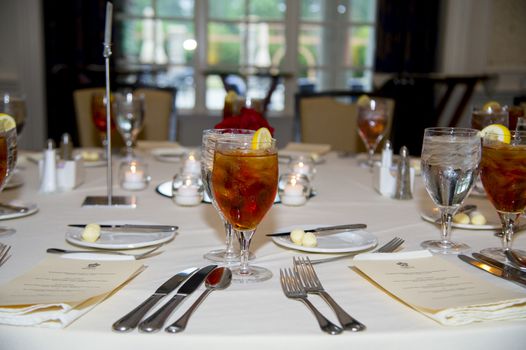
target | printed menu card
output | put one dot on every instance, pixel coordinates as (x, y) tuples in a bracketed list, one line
[(441, 290), (58, 291)]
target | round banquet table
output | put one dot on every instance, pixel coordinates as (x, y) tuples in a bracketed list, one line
[(257, 316)]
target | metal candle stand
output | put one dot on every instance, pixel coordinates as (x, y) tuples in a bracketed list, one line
[(109, 200)]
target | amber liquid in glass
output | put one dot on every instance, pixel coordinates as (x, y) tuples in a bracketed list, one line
[(372, 128), (245, 184), (503, 174), (98, 112)]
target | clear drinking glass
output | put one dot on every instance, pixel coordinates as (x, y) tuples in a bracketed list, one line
[(210, 137), (450, 163), (373, 121), (245, 182), (14, 105), (8, 157), (503, 174), (129, 118)]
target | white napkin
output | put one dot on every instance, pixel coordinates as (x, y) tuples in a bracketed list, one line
[(505, 305)]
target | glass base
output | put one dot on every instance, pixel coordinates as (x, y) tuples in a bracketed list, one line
[(219, 255), (256, 274), (498, 254), (438, 247)]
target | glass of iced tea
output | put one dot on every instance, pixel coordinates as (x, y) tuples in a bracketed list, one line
[(98, 114), (244, 183), (373, 121), (503, 174), (487, 115)]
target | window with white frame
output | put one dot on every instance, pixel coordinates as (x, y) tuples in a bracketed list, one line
[(190, 44)]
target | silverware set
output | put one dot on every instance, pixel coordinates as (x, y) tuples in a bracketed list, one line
[(189, 279), (495, 267), (4, 253)]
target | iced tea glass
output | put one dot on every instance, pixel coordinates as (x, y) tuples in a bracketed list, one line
[(98, 114), (228, 254), (450, 162), (245, 182), (8, 157), (373, 121), (503, 174)]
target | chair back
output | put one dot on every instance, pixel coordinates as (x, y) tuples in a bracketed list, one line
[(331, 117)]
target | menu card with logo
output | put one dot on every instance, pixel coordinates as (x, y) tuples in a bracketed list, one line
[(440, 289), (58, 291)]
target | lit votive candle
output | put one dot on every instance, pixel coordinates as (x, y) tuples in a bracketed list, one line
[(134, 178), (301, 168), (192, 165), (187, 190), (293, 194)]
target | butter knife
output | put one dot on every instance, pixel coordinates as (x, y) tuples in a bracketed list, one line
[(132, 319), (157, 319), (328, 230), (132, 228), (495, 271), (496, 263)]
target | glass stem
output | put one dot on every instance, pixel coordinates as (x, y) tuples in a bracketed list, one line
[(371, 156), (508, 224), (244, 242), (446, 228), (229, 240)]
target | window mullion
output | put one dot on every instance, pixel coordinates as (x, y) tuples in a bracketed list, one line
[(200, 63)]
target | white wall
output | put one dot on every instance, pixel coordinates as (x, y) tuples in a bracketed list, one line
[(22, 63)]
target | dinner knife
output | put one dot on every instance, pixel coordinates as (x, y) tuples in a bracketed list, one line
[(496, 263), (157, 319), (132, 319), (328, 230), (495, 271), (133, 228)]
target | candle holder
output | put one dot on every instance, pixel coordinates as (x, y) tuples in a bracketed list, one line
[(187, 189), (133, 175), (303, 165), (191, 163), (294, 189)]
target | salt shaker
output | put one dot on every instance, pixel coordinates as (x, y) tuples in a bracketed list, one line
[(48, 181), (403, 176)]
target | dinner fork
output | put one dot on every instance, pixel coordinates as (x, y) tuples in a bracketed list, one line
[(312, 284), (389, 247), (4, 251), (294, 290)]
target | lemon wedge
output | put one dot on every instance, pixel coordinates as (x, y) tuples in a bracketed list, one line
[(262, 139), (497, 132), (363, 101), (491, 106), (6, 122)]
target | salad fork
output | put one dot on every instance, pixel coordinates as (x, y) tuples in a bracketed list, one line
[(4, 251), (312, 284), (389, 247), (294, 290)]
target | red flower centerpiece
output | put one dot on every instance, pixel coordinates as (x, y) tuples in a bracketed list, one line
[(250, 117)]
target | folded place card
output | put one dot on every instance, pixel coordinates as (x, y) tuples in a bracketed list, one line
[(439, 289), (56, 291)]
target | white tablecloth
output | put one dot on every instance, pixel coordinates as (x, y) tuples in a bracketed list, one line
[(256, 316)]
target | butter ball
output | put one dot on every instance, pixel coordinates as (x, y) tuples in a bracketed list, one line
[(296, 235), (309, 240), (477, 218), (91, 233), (461, 218)]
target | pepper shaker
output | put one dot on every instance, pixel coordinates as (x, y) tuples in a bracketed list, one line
[(403, 176)]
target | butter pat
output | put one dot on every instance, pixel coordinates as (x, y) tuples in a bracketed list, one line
[(296, 235), (309, 240), (461, 218), (477, 218), (91, 233)]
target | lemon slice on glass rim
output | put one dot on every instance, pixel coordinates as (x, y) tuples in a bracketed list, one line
[(496, 132), (262, 139), (6, 122)]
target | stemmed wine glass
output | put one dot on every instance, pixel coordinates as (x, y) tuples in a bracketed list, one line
[(98, 113), (503, 174), (372, 125), (208, 146), (8, 157), (450, 163), (244, 182), (15, 106), (129, 117)]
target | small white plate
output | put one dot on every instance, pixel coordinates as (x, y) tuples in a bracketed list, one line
[(119, 240), (343, 242), (431, 214), (169, 155), (7, 214), (165, 189)]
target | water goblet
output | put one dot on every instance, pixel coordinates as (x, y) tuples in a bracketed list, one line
[(210, 137), (450, 162), (129, 118), (244, 182), (503, 174), (373, 123)]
